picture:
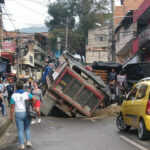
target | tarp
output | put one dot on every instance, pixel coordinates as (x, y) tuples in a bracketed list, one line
[(100, 65), (137, 71)]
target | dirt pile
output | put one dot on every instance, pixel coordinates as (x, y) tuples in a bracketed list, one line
[(109, 111)]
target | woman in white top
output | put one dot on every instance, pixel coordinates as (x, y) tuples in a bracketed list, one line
[(18, 106)]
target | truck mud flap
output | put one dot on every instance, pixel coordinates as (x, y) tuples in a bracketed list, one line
[(48, 104)]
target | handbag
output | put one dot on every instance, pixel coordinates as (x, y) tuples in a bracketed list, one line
[(29, 110)]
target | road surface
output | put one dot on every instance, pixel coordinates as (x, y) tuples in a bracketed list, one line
[(82, 134)]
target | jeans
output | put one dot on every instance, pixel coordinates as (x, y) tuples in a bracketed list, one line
[(2, 105), (23, 125)]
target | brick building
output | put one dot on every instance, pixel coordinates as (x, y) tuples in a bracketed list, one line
[(32, 50), (120, 11)]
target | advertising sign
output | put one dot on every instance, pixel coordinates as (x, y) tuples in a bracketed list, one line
[(9, 45)]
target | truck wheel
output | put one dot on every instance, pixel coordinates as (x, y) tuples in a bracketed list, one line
[(120, 123), (143, 134)]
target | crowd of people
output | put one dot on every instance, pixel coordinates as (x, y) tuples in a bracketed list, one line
[(118, 85), (6, 91), (14, 94)]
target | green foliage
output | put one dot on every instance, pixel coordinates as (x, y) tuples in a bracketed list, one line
[(88, 13), (59, 11)]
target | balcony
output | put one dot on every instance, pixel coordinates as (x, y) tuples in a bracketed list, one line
[(124, 45), (144, 37), (38, 49)]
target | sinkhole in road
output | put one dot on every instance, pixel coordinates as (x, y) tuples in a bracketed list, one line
[(55, 112), (109, 111)]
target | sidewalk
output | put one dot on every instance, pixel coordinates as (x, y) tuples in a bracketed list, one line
[(4, 120), (8, 131)]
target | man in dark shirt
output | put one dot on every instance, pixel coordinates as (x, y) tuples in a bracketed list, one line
[(112, 75), (10, 90)]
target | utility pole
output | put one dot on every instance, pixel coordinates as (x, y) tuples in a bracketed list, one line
[(17, 57), (67, 22), (1, 31), (113, 50)]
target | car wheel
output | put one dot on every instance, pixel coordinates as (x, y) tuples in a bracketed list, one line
[(120, 123), (143, 134)]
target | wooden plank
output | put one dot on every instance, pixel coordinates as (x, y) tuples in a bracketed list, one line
[(68, 87), (88, 98), (79, 91)]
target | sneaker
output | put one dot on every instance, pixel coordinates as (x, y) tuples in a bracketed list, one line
[(33, 121), (29, 144), (39, 120), (21, 146)]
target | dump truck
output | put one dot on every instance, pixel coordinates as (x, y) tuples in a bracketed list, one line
[(73, 89)]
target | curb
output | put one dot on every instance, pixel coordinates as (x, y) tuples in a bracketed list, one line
[(4, 127)]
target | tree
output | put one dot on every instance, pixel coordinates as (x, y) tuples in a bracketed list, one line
[(59, 11), (88, 12)]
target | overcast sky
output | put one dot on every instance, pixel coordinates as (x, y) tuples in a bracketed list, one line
[(25, 13)]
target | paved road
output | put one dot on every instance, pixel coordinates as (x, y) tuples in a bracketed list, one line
[(79, 134)]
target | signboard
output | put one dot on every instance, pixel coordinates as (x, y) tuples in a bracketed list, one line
[(9, 45)]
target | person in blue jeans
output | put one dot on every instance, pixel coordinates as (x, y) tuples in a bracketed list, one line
[(21, 119), (2, 105)]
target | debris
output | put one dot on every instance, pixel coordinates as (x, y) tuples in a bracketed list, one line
[(109, 111)]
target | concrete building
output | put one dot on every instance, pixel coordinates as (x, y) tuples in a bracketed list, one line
[(141, 43), (98, 45), (124, 34), (31, 50), (133, 36)]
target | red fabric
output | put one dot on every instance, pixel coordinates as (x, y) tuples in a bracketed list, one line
[(89, 68), (9, 56), (37, 104), (147, 57)]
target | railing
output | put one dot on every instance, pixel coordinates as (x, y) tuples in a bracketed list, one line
[(39, 49), (125, 38), (144, 36)]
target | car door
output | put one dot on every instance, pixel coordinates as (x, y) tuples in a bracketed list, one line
[(140, 103), (128, 106)]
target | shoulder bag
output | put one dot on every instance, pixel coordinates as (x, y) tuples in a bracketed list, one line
[(29, 110)]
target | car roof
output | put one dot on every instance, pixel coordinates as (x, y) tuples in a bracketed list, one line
[(145, 80)]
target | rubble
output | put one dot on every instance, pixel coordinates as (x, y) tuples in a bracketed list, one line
[(110, 111)]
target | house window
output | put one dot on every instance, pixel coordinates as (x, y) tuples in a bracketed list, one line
[(31, 59), (100, 38)]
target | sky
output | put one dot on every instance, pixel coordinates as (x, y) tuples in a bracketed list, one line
[(19, 14), (24, 13)]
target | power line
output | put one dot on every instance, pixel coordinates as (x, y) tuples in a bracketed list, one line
[(10, 18), (37, 2), (35, 11)]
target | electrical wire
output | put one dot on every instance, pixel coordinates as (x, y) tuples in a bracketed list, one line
[(35, 11), (37, 2), (10, 18)]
